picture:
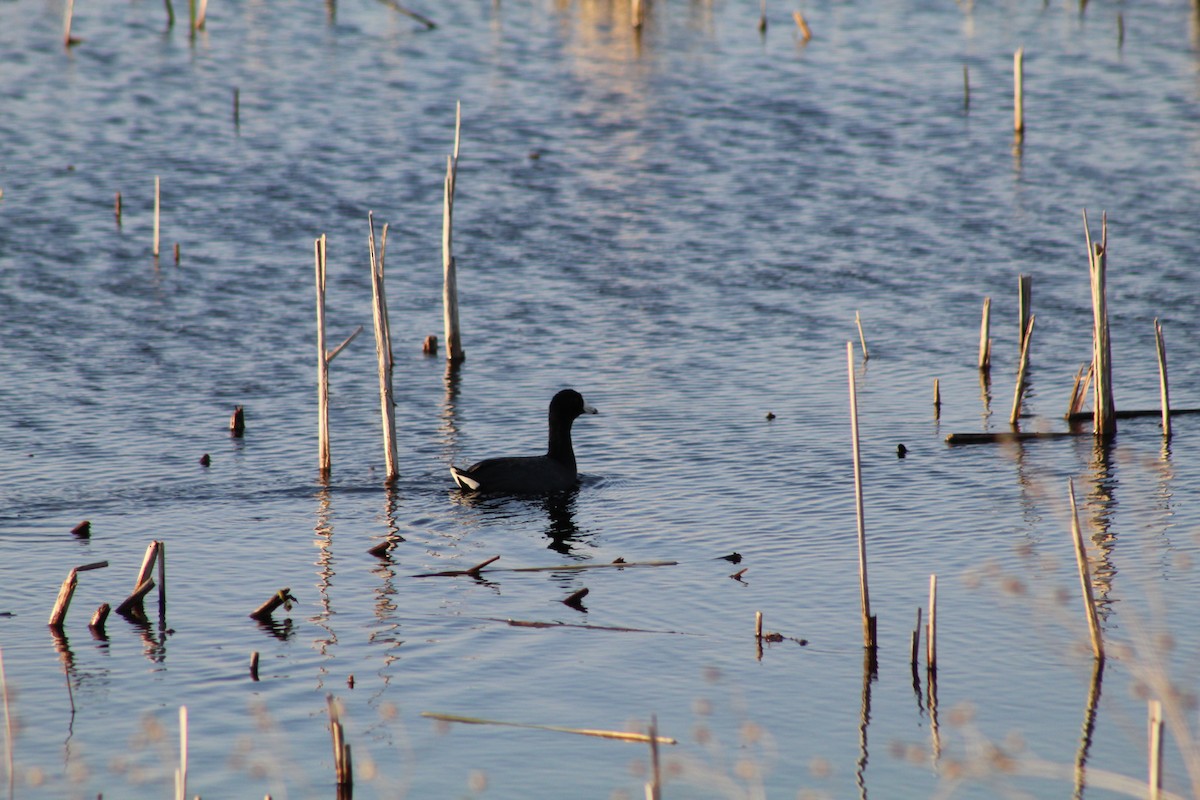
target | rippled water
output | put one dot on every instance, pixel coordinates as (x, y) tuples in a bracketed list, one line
[(681, 225)]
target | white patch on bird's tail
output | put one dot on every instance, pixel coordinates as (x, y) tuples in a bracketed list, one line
[(463, 480)]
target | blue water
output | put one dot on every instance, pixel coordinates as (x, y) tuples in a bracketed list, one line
[(680, 224)]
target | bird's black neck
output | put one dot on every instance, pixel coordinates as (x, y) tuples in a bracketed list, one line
[(560, 444)]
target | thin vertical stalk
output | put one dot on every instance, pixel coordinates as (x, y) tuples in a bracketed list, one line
[(868, 620), (323, 456), (8, 732), (156, 215), (1164, 392), (1018, 91), (382, 349), (1155, 720), (1104, 420), (181, 773), (454, 351), (861, 338), (966, 88), (931, 629), (1024, 306), (985, 342), (1019, 392), (1085, 578)]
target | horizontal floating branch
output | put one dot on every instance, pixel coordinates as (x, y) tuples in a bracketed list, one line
[(623, 736), (1006, 436), (281, 598), (478, 568), (1128, 413)]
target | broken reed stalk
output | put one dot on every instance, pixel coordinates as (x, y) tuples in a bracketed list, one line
[(117, 209), (1019, 392), (1164, 393), (323, 458), (254, 665), (237, 103), (454, 351), (1085, 578), (157, 208), (162, 578), (383, 349), (1155, 720), (937, 397), (170, 14), (1083, 380), (1104, 420), (201, 15), (805, 31), (637, 14), (985, 342), (868, 620), (68, 39), (861, 339), (181, 772), (99, 619), (623, 736), (931, 628), (65, 592), (342, 765), (133, 606), (148, 562), (1024, 307), (966, 89), (916, 641), (8, 730), (654, 787), (281, 598), (762, 18), (1018, 100)]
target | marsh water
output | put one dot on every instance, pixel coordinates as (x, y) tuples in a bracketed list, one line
[(680, 223)]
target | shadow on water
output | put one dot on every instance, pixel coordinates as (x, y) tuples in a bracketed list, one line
[(559, 507)]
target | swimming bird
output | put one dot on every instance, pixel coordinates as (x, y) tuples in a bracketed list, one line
[(552, 472)]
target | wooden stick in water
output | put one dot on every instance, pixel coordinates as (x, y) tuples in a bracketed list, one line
[(985, 342), (162, 578), (1104, 409), (916, 641), (1085, 578), (937, 398), (281, 598), (117, 209), (805, 31), (237, 107), (931, 628), (254, 665), (182, 771), (157, 207), (63, 602), (1163, 391), (861, 339), (68, 39), (454, 351), (762, 18), (1024, 307), (1019, 392), (654, 787), (148, 561), (324, 460), (623, 736), (868, 620), (383, 350), (1155, 719), (170, 14), (1018, 101), (343, 772), (99, 619), (966, 89)]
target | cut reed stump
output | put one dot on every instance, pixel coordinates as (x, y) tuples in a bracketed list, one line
[(324, 462), (454, 350), (383, 352), (157, 208), (931, 629), (62, 603), (99, 619), (985, 342), (1163, 391), (83, 530), (281, 598), (237, 422), (1018, 92), (342, 765), (1019, 391), (1104, 421)]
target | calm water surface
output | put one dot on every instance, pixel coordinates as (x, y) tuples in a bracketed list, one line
[(682, 226)]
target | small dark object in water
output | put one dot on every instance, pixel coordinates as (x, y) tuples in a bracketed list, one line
[(733, 558), (770, 416), (350, 681), (575, 599), (737, 576), (237, 422), (772, 637), (205, 460), (429, 347), (534, 155), (554, 471), (901, 451), (83, 530)]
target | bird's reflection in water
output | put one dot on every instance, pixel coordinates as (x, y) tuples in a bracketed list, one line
[(559, 507)]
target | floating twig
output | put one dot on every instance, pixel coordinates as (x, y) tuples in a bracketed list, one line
[(623, 736), (1005, 436), (478, 568)]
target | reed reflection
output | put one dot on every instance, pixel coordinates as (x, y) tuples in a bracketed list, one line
[(1089, 727), (1101, 500), (323, 531)]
